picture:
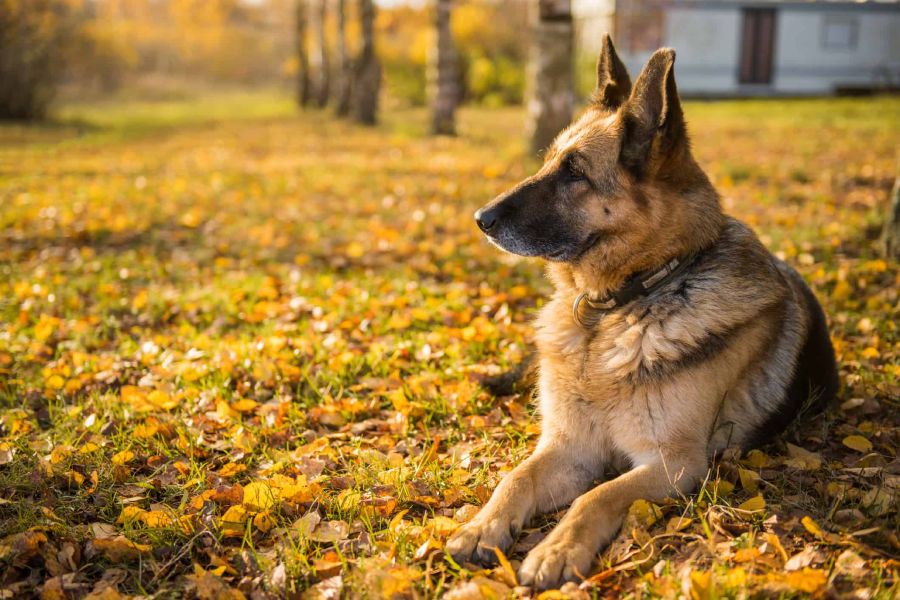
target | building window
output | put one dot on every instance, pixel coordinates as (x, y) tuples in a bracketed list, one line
[(839, 32)]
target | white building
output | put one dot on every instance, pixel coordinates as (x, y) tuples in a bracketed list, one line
[(762, 47)]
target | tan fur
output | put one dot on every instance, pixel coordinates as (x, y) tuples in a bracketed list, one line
[(660, 385)]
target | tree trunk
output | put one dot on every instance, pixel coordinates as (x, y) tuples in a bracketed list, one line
[(551, 94), (890, 238), (320, 54), (366, 70), (443, 82), (304, 93), (344, 74)]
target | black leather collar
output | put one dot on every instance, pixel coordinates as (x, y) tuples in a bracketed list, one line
[(587, 312)]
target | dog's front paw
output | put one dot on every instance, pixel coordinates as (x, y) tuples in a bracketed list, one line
[(554, 562), (475, 541)]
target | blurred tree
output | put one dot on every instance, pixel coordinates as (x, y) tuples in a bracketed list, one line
[(443, 76), (891, 235), (304, 94), (492, 50), (320, 54), (366, 69), (34, 36), (344, 72), (551, 95)]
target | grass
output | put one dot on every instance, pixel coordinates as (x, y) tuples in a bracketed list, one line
[(240, 349)]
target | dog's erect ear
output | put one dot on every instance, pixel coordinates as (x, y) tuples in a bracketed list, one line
[(652, 110), (613, 82)]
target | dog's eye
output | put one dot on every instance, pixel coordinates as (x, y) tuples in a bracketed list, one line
[(574, 173)]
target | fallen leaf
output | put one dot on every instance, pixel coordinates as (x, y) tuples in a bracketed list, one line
[(858, 443), (754, 504), (119, 548), (802, 459)]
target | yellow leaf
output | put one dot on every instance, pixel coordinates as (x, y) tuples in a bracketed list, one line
[(806, 580), (842, 291), (122, 458), (259, 496), (224, 411), (233, 520), (88, 448), (156, 519), (442, 526), (812, 527), (245, 405), (55, 382), (161, 399), (45, 327), (870, 352), (702, 587), (773, 540), (7, 451), (749, 479), (644, 513), (232, 469), (757, 459), (858, 443), (746, 555), (676, 524), (507, 573), (264, 521), (754, 504), (131, 394), (145, 430), (130, 514), (723, 487), (355, 250), (119, 548)]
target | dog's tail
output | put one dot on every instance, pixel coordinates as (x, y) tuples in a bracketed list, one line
[(521, 378)]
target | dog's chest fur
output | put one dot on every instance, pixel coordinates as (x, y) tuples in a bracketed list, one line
[(671, 368)]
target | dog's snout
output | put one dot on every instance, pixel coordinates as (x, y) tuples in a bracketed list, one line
[(486, 219)]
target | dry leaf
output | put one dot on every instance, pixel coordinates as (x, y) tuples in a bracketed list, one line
[(858, 443), (119, 548), (802, 459)]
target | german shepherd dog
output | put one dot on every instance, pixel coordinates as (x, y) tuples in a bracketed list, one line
[(671, 335)]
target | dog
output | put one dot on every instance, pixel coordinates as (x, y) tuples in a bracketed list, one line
[(672, 333)]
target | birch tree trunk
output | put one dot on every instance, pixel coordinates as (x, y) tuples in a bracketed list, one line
[(320, 54), (366, 70), (344, 74), (443, 81), (550, 94), (304, 93)]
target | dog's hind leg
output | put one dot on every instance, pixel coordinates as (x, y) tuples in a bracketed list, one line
[(521, 378)]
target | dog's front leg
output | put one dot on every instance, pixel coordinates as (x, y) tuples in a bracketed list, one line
[(549, 479), (594, 518)]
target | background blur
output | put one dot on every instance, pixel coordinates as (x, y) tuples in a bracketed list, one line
[(162, 48)]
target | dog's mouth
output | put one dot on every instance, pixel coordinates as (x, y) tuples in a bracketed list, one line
[(570, 252)]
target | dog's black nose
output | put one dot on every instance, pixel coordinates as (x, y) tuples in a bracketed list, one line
[(486, 219)]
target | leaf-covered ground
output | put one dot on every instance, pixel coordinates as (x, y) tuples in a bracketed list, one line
[(240, 358)]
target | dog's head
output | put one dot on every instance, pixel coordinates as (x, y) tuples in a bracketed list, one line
[(616, 183)]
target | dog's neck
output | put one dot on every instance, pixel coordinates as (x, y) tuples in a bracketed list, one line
[(600, 274)]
